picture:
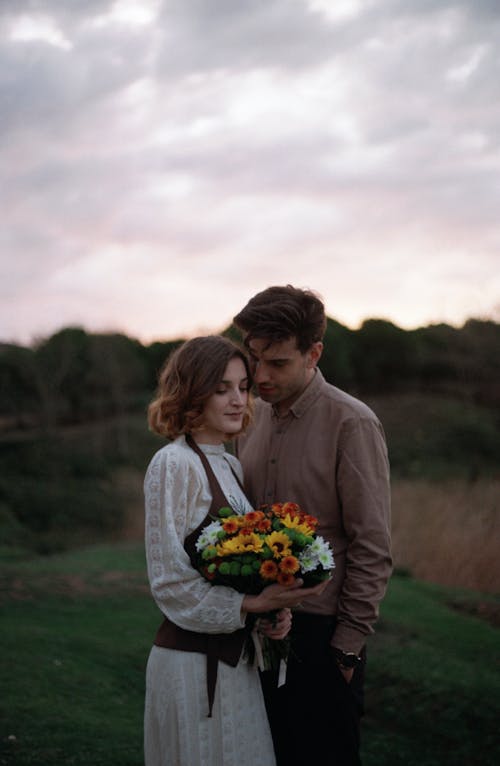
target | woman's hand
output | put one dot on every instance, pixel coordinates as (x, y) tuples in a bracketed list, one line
[(281, 596), (278, 628)]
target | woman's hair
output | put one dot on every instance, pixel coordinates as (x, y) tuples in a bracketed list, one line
[(188, 378), (279, 313)]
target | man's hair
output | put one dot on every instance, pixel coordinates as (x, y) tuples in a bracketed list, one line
[(279, 313), (189, 377)]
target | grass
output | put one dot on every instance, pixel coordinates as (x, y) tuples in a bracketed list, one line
[(434, 680), (76, 631)]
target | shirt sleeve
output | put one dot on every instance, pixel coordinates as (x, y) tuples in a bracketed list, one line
[(364, 489), (176, 501)]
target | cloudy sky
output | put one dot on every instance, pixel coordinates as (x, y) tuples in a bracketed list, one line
[(162, 161)]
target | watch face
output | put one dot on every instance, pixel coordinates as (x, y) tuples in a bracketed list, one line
[(350, 660), (346, 659)]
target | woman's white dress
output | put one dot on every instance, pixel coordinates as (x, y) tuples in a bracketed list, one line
[(177, 729)]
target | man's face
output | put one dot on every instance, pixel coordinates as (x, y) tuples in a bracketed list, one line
[(281, 371)]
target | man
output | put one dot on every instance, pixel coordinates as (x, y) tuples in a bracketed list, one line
[(315, 445)]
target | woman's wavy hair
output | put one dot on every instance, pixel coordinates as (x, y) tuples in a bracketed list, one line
[(188, 378)]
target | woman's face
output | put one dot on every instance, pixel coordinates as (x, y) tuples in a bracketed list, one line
[(224, 411)]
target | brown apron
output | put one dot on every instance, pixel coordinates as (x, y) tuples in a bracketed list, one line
[(217, 646)]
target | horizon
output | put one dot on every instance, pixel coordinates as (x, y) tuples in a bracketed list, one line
[(145, 341)]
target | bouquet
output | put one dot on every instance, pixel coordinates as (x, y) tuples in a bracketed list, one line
[(274, 543)]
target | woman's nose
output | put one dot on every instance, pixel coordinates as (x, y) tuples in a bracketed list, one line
[(238, 396)]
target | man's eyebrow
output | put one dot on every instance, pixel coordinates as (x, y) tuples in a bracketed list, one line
[(248, 341), (272, 358)]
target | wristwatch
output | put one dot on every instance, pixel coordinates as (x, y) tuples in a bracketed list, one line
[(345, 660)]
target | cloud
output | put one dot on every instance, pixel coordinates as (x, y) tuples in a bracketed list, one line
[(157, 150), (228, 36)]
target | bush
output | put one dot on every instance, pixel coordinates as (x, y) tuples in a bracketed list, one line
[(436, 437)]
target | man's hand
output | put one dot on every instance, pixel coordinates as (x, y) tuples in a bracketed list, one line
[(277, 596), (348, 674)]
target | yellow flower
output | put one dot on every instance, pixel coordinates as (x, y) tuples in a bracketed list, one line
[(251, 543), (296, 524), (279, 543)]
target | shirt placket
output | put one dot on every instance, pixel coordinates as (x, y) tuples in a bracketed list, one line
[(279, 426)]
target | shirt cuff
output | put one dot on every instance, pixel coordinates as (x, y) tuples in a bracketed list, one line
[(347, 639)]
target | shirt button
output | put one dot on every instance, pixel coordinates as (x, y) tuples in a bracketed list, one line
[(273, 460)]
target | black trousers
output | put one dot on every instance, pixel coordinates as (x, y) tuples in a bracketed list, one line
[(316, 711)]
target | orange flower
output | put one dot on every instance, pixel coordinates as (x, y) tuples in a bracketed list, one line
[(289, 565), (252, 517), (263, 526), (312, 521), (230, 526), (291, 508), (268, 570), (284, 578)]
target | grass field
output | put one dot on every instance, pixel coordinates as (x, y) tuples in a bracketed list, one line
[(76, 631)]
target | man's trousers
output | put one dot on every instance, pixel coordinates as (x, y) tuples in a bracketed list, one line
[(316, 711)]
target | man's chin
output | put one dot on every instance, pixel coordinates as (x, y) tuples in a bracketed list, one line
[(268, 395)]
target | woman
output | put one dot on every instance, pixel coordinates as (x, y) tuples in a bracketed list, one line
[(204, 704)]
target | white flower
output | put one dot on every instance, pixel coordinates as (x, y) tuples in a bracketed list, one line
[(326, 560), (317, 554), (318, 545), (209, 536), (308, 559)]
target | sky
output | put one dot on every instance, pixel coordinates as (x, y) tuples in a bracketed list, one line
[(163, 161)]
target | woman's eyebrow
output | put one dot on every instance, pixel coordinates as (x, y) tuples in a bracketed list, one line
[(242, 380)]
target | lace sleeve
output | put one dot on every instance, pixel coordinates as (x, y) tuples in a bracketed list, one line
[(176, 501)]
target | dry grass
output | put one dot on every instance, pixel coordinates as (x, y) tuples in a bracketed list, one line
[(448, 532)]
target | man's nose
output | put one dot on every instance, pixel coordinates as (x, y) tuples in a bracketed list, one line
[(261, 374)]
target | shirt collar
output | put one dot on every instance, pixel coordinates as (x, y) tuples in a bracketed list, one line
[(308, 395)]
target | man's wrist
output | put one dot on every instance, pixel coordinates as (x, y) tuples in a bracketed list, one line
[(345, 660)]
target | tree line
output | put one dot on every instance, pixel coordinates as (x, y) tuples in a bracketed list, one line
[(75, 376), (73, 417)]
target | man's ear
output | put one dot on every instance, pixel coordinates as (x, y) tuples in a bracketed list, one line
[(314, 354)]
